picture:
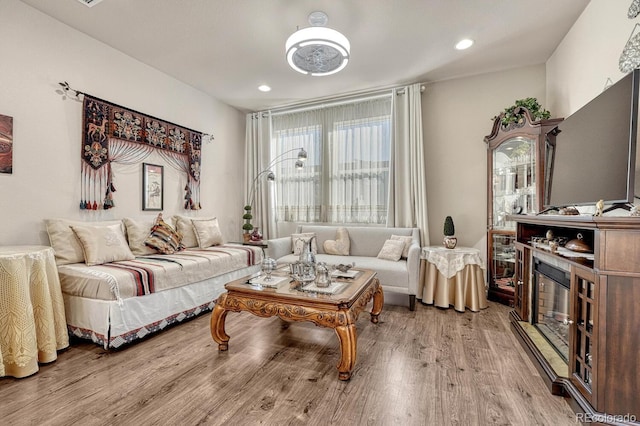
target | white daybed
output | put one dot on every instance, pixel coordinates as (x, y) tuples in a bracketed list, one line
[(121, 300)]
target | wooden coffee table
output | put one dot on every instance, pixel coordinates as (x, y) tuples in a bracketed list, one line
[(338, 311)]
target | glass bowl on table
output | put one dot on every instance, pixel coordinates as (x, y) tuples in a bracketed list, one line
[(267, 266)]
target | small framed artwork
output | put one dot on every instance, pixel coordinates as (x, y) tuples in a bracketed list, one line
[(152, 187), (6, 144)]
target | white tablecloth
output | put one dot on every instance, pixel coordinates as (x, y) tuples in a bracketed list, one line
[(32, 319), (452, 277)]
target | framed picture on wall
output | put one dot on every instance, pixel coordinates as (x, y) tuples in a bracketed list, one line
[(6, 144), (152, 187)]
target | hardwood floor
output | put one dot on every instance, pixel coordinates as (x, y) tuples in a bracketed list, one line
[(427, 367)]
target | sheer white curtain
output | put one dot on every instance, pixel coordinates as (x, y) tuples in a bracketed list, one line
[(408, 193), (346, 176), (359, 142), (298, 192), (257, 146)]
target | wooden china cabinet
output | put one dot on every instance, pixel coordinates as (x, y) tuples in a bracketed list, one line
[(515, 166)]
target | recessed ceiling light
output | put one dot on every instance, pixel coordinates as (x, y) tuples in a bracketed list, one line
[(89, 3), (464, 44), (264, 88)]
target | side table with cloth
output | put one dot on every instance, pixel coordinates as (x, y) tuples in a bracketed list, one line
[(452, 277), (32, 319)]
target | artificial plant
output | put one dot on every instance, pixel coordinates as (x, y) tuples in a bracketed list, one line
[(247, 226), (514, 113), (449, 228)]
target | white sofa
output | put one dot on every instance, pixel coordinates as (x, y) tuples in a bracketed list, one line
[(365, 243)]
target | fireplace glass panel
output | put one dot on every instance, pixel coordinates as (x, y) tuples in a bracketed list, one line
[(552, 303)]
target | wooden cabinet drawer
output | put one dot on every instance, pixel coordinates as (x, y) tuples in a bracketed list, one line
[(620, 251)]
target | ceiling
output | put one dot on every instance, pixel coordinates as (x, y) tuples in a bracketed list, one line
[(227, 48)]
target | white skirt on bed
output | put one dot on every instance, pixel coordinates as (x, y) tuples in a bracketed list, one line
[(112, 323)]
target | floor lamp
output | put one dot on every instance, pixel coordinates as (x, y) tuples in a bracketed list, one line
[(248, 227)]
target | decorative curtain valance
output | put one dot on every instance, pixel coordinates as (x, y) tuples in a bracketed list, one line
[(114, 134)]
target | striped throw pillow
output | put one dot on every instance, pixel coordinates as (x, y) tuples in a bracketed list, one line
[(164, 238)]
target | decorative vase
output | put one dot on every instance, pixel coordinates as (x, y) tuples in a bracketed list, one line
[(268, 265), (323, 277), (450, 241), (256, 235)]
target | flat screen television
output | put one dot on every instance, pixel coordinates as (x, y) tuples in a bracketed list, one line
[(594, 154)]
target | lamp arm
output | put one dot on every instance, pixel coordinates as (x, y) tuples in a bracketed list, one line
[(273, 162), (277, 160), (253, 186)]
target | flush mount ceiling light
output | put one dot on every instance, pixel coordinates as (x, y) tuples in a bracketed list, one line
[(317, 50)]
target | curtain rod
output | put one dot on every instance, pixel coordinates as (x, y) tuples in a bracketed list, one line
[(321, 105), (66, 90), (339, 100), (402, 90)]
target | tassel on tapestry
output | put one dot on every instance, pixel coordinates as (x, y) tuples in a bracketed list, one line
[(113, 134), (108, 196)]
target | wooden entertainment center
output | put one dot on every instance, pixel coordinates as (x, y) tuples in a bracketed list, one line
[(601, 375)]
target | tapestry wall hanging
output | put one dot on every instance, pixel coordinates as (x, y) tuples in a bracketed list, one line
[(6, 144), (114, 134)]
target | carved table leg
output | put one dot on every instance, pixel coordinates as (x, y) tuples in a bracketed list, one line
[(348, 339), (378, 301), (217, 324)]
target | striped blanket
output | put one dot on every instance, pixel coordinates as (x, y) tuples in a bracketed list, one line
[(154, 273)]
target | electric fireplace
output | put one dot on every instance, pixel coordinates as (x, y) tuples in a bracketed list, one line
[(550, 307)]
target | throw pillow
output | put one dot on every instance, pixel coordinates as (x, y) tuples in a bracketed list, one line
[(207, 232), (164, 238), (407, 243), (298, 241), (137, 233), (102, 244), (391, 250), (340, 245), (65, 244), (184, 225)]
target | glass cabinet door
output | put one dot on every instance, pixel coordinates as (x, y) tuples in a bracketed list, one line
[(503, 261), (521, 290), (514, 180), (584, 336)]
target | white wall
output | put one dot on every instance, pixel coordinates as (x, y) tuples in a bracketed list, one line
[(457, 115), (37, 53), (588, 55)]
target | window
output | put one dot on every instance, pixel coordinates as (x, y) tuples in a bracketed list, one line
[(346, 176)]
